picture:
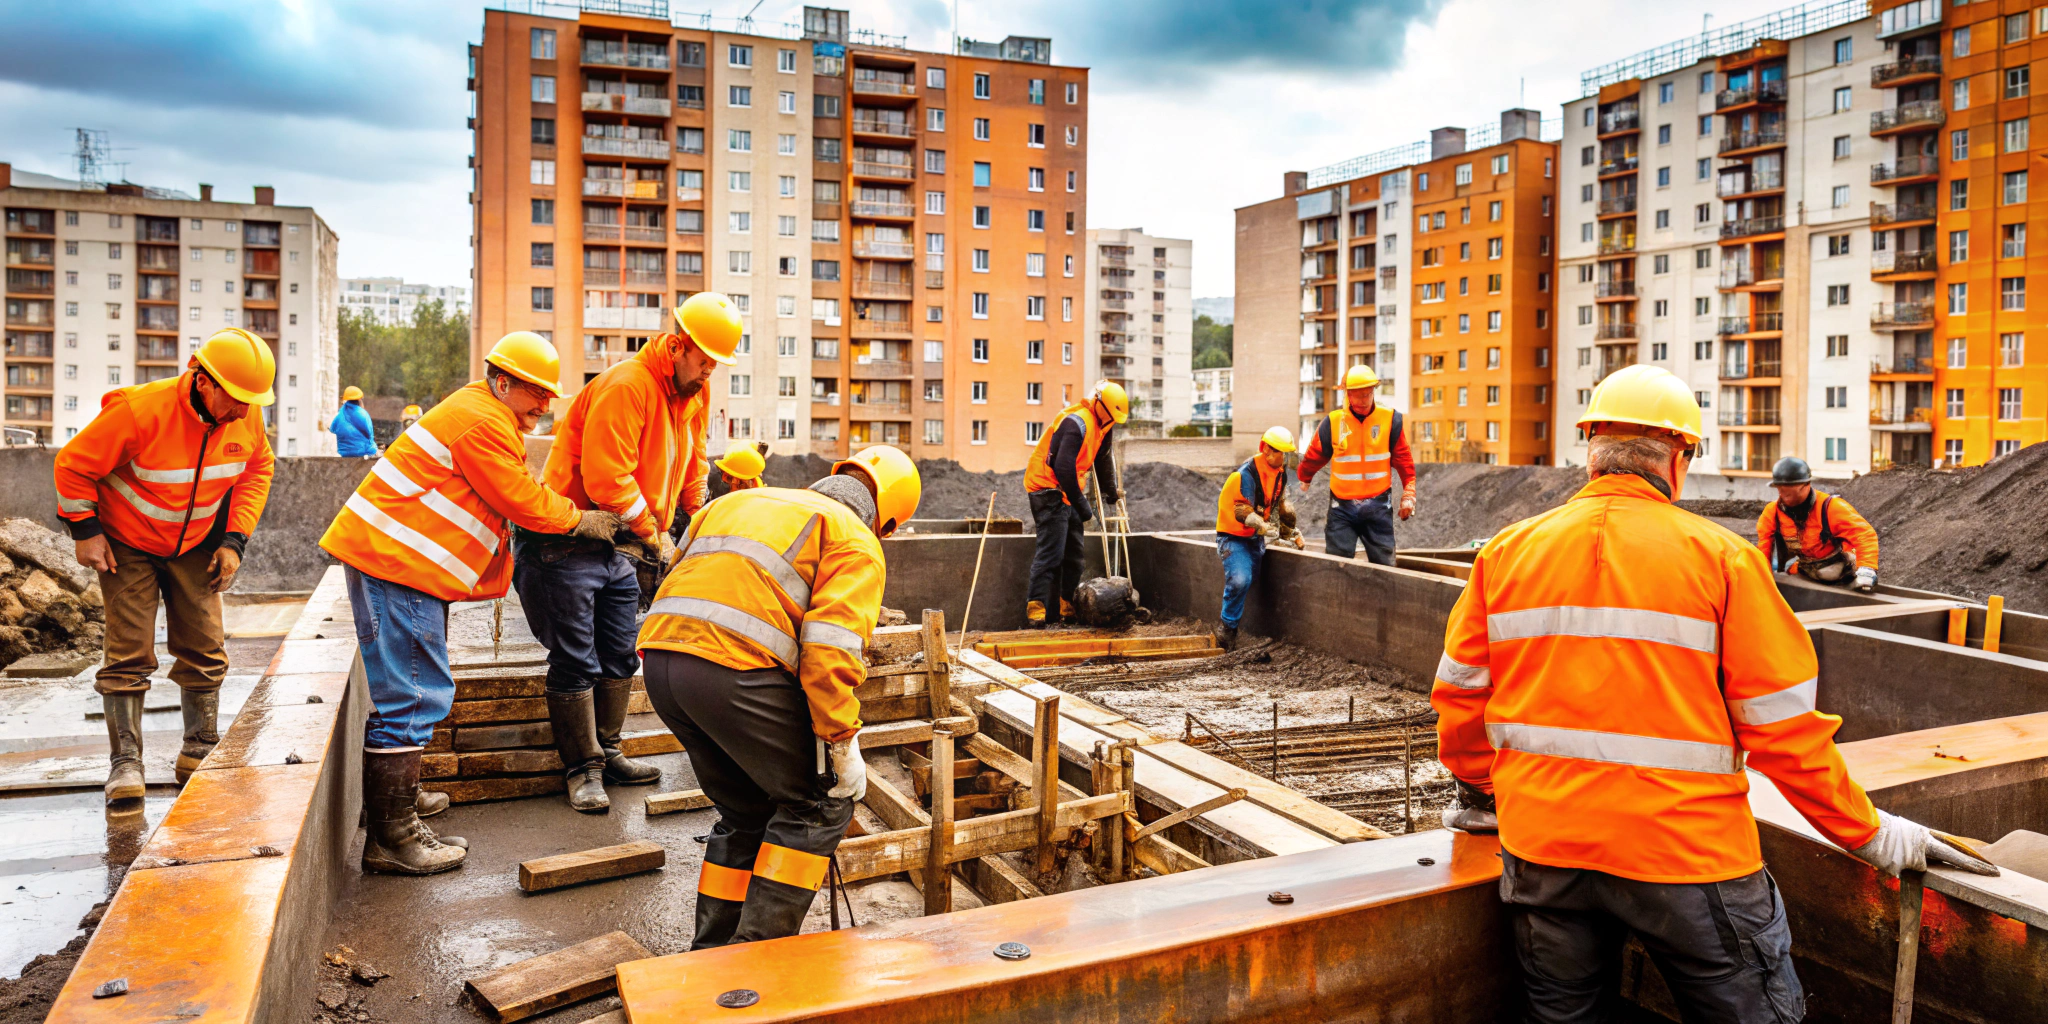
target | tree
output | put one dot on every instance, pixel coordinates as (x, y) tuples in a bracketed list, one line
[(1212, 343), (421, 361)]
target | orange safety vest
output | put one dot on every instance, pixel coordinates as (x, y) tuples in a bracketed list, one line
[(156, 474), (1361, 454), (1828, 528), (1250, 484), (1038, 474), (1611, 667), (774, 577), (629, 442), (431, 513)]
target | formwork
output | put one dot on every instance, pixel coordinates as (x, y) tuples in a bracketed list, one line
[(1266, 906)]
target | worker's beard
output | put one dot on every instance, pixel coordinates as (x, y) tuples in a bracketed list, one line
[(692, 389)]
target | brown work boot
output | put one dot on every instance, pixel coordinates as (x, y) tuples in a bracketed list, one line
[(612, 697), (398, 843), (202, 713), (1034, 614), (124, 741), (429, 803), (574, 718), (1226, 638), (1067, 611)]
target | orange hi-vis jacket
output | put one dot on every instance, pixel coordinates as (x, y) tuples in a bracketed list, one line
[(630, 441), (1831, 523), (1250, 484), (1360, 452), (431, 513), (1610, 667), (1038, 473), (154, 473), (773, 577)]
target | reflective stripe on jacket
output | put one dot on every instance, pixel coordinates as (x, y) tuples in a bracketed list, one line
[(431, 513), (630, 442), (156, 474), (1830, 516), (773, 577), (1250, 484), (1038, 473), (1361, 454), (1611, 667)]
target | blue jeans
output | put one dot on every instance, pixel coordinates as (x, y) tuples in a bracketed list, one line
[(1356, 519), (1240, 566), (581, 607), (403, 634)]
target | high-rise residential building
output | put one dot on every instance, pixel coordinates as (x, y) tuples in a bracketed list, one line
[(901, 229), (1211, 400), (1717, 199), (1141, 323), (1433, 263), (391, 301), (117, 284)]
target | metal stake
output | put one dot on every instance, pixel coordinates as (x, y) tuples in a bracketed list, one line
[(1276, 741), (1407, 777)]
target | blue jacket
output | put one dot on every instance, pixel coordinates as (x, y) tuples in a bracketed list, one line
[(353, 435)]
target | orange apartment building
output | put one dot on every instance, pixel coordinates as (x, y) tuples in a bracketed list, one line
[(904, 230)]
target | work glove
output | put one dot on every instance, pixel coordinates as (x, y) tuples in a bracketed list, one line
[(1083, 510), (1472, 811), (668, 551), (1295, 538), (1866, 579), (1255, 522), (850, 769), (597, 524), (1407, 505), (1902, 844)]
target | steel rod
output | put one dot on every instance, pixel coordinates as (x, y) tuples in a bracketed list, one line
[(987, 522)]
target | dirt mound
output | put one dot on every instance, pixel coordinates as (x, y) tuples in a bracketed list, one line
[(1971, 532), (1161, 496), (48, 602)]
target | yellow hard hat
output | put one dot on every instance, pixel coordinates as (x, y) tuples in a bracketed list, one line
[(1112, 396), (1280, 439), (897, 485), (743, 463), (1649, 396), (529, 357), (1361, 377), (241, 363), (411, 410), (351, 394), (713, 322)]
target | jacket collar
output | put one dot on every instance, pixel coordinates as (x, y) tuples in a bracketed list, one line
[(659, 356), (1621, 485), (188, 389)]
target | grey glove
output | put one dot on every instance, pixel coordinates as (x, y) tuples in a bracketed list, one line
[(1472, 812), (597, 524), (1866, 579), (850, 769), (1255, 522), (1902, 844)]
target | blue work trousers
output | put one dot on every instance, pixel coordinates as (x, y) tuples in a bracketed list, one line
[(1368, 519), (581, 607), (403, 634), (1240, 567)]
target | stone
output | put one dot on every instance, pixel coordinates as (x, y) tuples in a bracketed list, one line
[(12, 611), (28, 541), (42, 594), (332, 997), (91, 598), (6, 565), (50, 665)]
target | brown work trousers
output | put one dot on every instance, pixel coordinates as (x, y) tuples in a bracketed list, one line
[(191, 611)]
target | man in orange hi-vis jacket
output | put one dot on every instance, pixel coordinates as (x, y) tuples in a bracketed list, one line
[(161, 491), (1609, 669)]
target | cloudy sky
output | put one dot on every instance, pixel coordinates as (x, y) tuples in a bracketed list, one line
[(1199, 106)]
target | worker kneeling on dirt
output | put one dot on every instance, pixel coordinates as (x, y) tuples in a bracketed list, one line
[(1077, 444), (1605, 673), (160, 492), (427, 526), (1819, 536), (739, 469), (1364, 446), (754, 646), (632, 441), (1252, 508)]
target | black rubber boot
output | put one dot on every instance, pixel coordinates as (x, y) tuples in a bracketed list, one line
[(397, 842), (124, 741), (1226, 638), (202, 731), (574, 717), (612, 697)]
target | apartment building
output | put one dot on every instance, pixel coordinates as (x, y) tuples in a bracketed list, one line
[(1454, 310), (1211, 400), (1140, 314), (392, 301), (113, 285), (901, 229), (1718, 204)]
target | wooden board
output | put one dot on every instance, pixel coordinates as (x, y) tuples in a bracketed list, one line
[(649, 743), (544, 873), (1059, 660), (1866, 612), (1161, 855), (1287, 803), (996, 881), (533, 986), (502, 737), (509, 787), (1435, 566), (906, 849), (522, 709), (1902, 759), (680, 800), (489, 684)]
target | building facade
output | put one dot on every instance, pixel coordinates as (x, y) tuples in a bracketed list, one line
[(391, 301), (1140, 314), (902, 230), (1211, 401), (114, 285)]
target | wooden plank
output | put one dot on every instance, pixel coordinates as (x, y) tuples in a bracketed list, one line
[(889, 804), (498, 683), (502, 737), (1901, 759), (544, 873), (504, 762), (894, 709), (938, 680), (1161, 855), (1436, 566), (997, 881), (1264, 792), (522, 709), (1045, 775), (938, 872), (509, 787), (438, 766), (1061, 660), (680, 800), (1866, 612), (906, 849), (649, 743), (1185, 813), (442, 740), (889, 734), (539, 984)]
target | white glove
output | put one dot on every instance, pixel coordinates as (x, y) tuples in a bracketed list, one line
[(851, 769), (1255, 522), (1905, 845), (1470, 819), (1866, 579)]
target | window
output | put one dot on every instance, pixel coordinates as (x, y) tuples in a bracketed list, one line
[(2016, 135), (1702, 350), (2015, 28), (1952, 405), (1034, 264), (540, 43), (1663, 177), (1586, 152), (739, 222), (1701, 306), (1034, 220), (543, 255), (935, 202), (1663, 220), (1034, 351), (742, 385), (2012, 293), (785, 102), (1959, 298), (981, 262), (824, 106), (1500, 164), (1585, 315), (1702, 259), (543, 300), (982, 174), (1666, 92), (739, 56), (1663, 135), (2015, 187), (738, 141), (1838, 295), (2008, 403), (2014, 243), (2012, 349), (785, 186), (934, 118), (1959, 194), (690, 55), (1493, 248), (1840, 196), (1843, 49), (1959, 144), (1073, 179), (689, 140), (1959, 42), (1962, 93), (691, 222), (981, 305), (1952, 451), (977, 392), (739, 96), (981, 132), (542, 131), (1660, 308), (1073, 92), (1706, 82), (541, 172), (739, 261), (1463, 174), (1067, 308), (1838, 346), (1958, 246), (1034, 307), (935, 78), (1842, 99), (1035, 179), (935, 161), (1958, 353), (543, 88), (1841, 147), (1035, 136), (1067, 266), (981, 86), (785, 61)]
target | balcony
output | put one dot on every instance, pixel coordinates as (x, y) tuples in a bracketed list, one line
[(600, 277), (882, 87), (871, 169), (1732, 185), (1903, 366), (1614, 331), (874, 250), (33, 377), (1905, 71), (601, 232), (1733, 325), (638, 318), (30, 346), (1882, 214), (620, 103), (1910, 261), (1615, 290), (1752, 226), (156, 259), (642, 148), (619, 189), (1748, 418), (1621, 244), (868, 327), (876, 126), (645, 233), (1906, 169), (1765, 92), (31, 314), (1894, 315), (645, 279), (156, 350), (1618, 165), (865, 368), (611, 54), (875, 409), (31, 282), (869, 288), (31, 222), (882, 210), (1617, 206), (1920, 416), (1919, 115), (1761, 138), (1614, 122), (1764, 323), (31, 252), (1744, 369)]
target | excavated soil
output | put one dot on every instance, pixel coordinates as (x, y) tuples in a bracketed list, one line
[(48, 602), (27, 999)]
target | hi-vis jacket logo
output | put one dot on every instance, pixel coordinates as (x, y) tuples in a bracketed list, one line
[(234, 448), (1375, 435)]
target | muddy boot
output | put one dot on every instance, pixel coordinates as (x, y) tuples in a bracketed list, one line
[(1034, 615), (1226, 638), (1067, 613), (611, 697), (124, 739), (574, 717), (429, 803), (202, 712), (397, 842)]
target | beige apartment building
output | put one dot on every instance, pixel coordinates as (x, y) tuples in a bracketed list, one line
[(1141, 323)]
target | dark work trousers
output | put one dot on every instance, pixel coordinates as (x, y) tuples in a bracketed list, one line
[(1368, 519), (1723, 947), (1056, 564), (748, 734), (581, 607)]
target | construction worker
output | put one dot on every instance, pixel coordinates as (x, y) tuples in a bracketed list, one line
[(354, 437), (1077, 444), (739, 469), (1824, 540), (753, 647), (632, 441), (408, 416), (1607, 671), (161, 491), (426, 527), (1251, 509), (1362, 444)]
